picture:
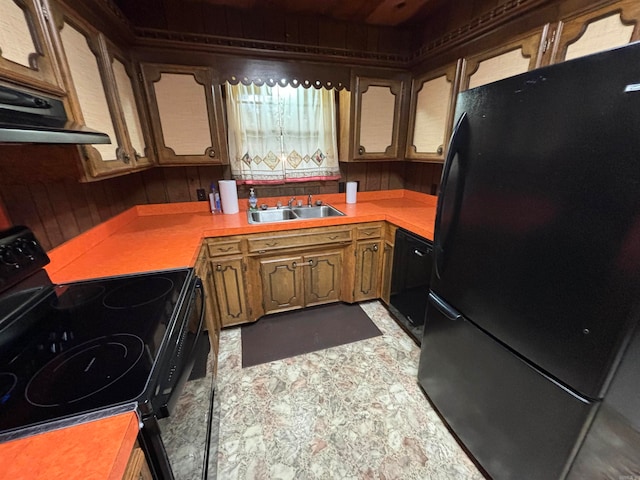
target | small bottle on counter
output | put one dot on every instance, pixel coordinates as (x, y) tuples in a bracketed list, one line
[(214, 200), (253, 200)]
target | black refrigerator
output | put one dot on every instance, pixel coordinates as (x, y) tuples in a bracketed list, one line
[(535, 293)]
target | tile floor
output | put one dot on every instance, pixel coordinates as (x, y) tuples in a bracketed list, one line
[(348, 412)]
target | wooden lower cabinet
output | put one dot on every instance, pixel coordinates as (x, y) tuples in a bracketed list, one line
[(300, 281), (368, 267), (137, 467), (229, 284), (387, 263), (282, 283), (212, 321), (257, 274), (322, 278)]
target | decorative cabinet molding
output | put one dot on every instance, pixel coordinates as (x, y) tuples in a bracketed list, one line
[(607, 27), (102, 93), (520, 55), (282, 283), (212, 319), (431, 112), (322, 278), (369, 252), (372, 117), (229, 281), (368, 265), (186, 115), (387, 262), (26, 51), (128, 94)]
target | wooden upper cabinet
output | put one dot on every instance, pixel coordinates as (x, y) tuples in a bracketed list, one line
[(602, 29), (128, 95), (431, 111), (102, 95), (26, 51), (186, 114), (517, 56), (371, 119)]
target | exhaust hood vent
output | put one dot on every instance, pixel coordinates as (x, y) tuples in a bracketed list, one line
[(28, 118)]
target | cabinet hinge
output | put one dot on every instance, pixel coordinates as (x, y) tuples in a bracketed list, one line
[(140, 77), (549, 41), (45, 12)]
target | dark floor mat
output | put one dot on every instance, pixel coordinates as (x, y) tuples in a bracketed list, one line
[(288, 334), (199, 369)]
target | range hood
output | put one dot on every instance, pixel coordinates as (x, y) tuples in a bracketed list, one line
[(28, 118)]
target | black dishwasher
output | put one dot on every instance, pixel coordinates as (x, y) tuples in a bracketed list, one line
[(412, 262)]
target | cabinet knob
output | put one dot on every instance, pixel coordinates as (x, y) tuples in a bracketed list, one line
[(219, 267), (440, 150), (311, 263), (294, 265), (211, 153), (361, 150), (375, 247)]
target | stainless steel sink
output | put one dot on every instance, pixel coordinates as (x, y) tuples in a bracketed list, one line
[(317, 212), (285, 214)]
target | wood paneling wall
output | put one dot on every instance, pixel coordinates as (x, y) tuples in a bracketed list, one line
[(38, 188)]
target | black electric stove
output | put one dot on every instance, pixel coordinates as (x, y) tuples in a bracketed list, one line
[(91, 346)]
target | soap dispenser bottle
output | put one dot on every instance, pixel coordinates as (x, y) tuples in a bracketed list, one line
[(253, 200)]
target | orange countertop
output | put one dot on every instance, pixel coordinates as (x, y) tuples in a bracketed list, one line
[(157, 237), (95, 450), (164, 236)]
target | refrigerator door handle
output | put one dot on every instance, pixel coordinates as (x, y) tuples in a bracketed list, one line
[(444, 308), (455, 152)]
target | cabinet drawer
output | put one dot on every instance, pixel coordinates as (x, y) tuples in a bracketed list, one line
[(217, 247), (299, 238), (369, 231)]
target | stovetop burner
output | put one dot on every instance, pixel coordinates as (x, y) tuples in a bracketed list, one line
[(84, 370), (138, 292)]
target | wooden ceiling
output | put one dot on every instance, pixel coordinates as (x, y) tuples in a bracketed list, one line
[(371, 12)]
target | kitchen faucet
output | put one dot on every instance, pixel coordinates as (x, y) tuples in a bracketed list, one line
[(290, 202), (309, 204)]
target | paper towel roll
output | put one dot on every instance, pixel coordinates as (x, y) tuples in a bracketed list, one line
[(352, 188), (228, 196)]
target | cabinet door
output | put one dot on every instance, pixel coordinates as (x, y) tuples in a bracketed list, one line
[(26, 52), (128, 95), (282, 283), (94, 97), (602, 29), (228, 278), (387, 270), (368, 263), (186, 114), (370, 119), (212, 319), (515, 57), (322, 278), (433, 98)]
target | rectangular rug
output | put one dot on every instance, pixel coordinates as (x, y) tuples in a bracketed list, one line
[(287, 334)]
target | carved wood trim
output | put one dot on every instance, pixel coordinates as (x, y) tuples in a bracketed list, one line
[(229, 45), (491, 20)]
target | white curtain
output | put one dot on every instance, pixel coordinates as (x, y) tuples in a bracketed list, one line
[(281, 134)]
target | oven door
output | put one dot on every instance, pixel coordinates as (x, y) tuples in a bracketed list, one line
[(176, 368)]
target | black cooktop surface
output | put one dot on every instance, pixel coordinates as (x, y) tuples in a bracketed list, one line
[(83, 346)]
